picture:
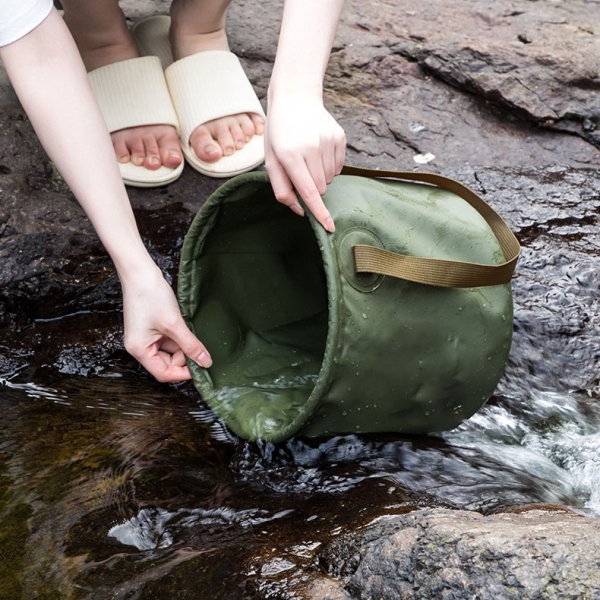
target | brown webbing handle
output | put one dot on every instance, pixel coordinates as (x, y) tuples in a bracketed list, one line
[(433, 271)]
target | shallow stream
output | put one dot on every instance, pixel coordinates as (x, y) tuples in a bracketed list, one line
[(116, 486), (112, 485)]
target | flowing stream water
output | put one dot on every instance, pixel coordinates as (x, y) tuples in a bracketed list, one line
[(116, 486)]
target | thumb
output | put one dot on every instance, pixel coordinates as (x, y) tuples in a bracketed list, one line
[(189, 344)]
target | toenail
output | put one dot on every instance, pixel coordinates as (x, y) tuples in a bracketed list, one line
[(229, 151), (248, 138), (124, 159), (154, 161), (211, 149)]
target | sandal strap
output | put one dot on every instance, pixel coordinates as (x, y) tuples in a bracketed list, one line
[(132, 93), (209, 85)]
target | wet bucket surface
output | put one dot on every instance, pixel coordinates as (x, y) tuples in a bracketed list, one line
[(304, 345)]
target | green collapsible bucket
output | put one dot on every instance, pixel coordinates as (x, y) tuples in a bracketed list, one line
[(400, 321)]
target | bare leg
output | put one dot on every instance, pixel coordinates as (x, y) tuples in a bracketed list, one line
[(196, 26), (103, 38)]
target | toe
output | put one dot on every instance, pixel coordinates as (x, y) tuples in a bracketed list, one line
[(169, 149), (247, 126), (137, 151), (204, 145), (120, 146), (224, 135), (259, 123), (237, 133), (151, 153)]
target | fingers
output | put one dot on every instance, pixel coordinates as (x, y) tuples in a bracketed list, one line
[(164, 358), (164, 371), (306, 159), (282, 186), (310, 181), (188, 343)]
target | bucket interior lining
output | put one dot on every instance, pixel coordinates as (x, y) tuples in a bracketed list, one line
[(262, 311)]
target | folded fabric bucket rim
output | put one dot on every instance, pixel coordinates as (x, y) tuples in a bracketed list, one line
[(195, 239)]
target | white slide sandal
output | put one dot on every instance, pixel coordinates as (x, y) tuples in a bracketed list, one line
[(132, 93), (205, 86)]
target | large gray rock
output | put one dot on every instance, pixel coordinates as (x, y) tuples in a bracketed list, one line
[(540, 58), (439, 553)]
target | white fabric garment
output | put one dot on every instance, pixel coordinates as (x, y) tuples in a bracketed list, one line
[(19, 17)]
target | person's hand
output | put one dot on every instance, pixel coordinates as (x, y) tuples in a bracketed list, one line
[(155, 332), (304, 149)]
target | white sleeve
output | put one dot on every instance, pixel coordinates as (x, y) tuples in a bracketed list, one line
[(19, 17)]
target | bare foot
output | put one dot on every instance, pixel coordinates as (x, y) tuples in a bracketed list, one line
[(102, 36), (220, 137)]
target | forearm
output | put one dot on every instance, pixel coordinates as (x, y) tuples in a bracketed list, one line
[(49, 78), (307, 32)]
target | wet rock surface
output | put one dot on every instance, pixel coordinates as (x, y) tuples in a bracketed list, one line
[(505, 95), (436, 553)]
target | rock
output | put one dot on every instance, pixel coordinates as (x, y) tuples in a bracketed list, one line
[(540, 60), (440, 553), (326, 589), (554, 212), (51, 261), (387, 79)]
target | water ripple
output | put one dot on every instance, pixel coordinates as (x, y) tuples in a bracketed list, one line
[(157, 528)]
